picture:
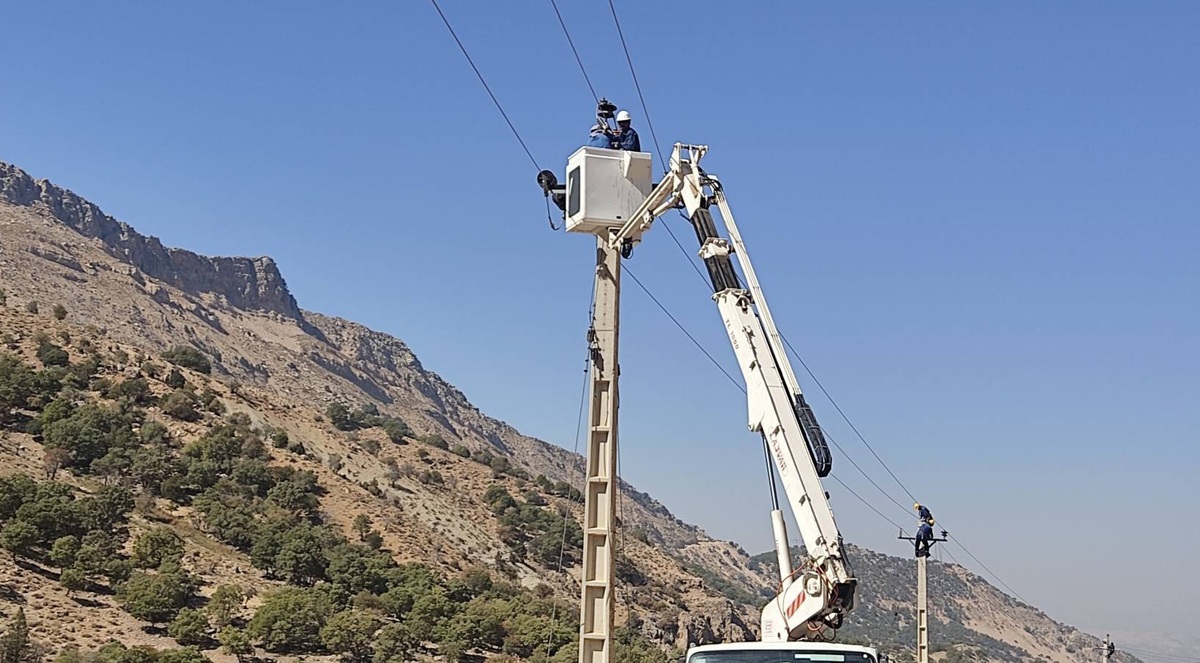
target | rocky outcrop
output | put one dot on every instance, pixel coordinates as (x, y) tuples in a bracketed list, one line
[(245, 283), (718, 623)]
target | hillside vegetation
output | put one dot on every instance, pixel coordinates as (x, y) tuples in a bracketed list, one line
[(131, 446)]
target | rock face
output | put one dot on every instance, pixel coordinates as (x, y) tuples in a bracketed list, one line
[(252, 284)]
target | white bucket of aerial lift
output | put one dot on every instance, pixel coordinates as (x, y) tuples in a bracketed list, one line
[(605, 187)]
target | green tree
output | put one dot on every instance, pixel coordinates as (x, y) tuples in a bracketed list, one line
[(154, 433), (190, 627), (52, 355), (301, 559), (185, 655), (73, 580), (109, 507), (293, 497), (110, 652), (155, 546), (225, 604), (98, 556), (429, 612), (180, 404), (156, 598), (351, 634), (17, 385), (339, 416), (151, 467), (188, 357), (175, 379), (19, 538), (394, 644), (396, 430), (135, 390), (59, 408), (362, 525), (64, 550), (436, 441), (291, 620), (15, 645), (357, 568), (89, 433), (235, 641), (69, 654)]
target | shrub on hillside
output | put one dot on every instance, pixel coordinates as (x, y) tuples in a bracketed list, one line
[(180, 404), (190, 627), (52, 355), (188, 357)]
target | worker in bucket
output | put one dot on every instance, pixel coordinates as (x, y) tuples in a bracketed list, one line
[(627, 138), (600, 136), (923, 513)]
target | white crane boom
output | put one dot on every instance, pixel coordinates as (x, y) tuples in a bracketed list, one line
[(776, 406)]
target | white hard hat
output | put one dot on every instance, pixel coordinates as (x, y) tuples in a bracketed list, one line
[(623, 116)]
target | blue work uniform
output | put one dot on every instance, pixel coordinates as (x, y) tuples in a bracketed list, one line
[(628, 140), (599, 140), (924, 540), (924, 514)]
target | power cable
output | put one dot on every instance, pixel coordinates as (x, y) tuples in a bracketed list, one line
[(846, 419), (485, 85), (846, 455), (864, 501), (863, 472), (743, 390), (985, 568), (562, 548), (684, 330), (1164, 657), (595, 97), (637, 85)]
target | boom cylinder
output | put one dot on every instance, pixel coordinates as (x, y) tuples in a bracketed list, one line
[(782, 551)]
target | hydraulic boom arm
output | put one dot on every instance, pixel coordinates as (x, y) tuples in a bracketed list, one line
[(818, 593)]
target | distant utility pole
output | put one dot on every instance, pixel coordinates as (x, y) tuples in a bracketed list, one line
[(921, 549), (1108, 649)]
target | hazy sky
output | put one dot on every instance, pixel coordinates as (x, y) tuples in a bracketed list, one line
[(976, 222)]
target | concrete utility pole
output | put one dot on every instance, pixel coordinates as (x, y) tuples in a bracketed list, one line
[(600, 495), (604, 188), (922, 555), (1108, 649)]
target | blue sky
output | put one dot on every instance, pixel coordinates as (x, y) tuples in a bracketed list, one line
[(977, 223)]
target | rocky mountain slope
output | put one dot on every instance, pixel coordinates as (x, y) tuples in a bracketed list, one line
[(289, 370)]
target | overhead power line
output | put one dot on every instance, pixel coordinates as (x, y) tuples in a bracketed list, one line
[(485, 85), (636, 84), (684, 330), (595, 97)]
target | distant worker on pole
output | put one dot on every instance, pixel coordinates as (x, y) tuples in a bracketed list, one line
[(627, 138), (923, 513), (924, 539)]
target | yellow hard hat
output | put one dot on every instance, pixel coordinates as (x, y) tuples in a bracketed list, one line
[(917, 505)]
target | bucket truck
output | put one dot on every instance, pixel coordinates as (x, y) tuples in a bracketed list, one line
[(606, 195)]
